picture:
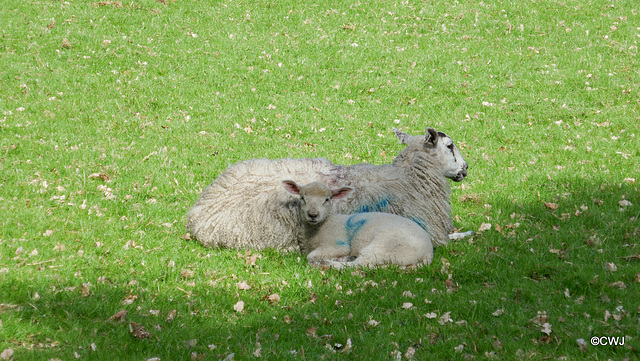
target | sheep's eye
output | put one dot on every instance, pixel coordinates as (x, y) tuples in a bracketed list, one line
[(327, 200), (450, 146)]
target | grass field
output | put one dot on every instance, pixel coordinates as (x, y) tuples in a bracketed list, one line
[(115, 116)]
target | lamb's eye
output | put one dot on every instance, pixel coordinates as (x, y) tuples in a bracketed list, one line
[(327, 200), (450, 146)]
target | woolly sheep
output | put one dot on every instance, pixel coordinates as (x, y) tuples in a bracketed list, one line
[(372, 238), (246, 207)]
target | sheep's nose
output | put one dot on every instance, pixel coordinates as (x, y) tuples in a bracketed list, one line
[(464, 170)]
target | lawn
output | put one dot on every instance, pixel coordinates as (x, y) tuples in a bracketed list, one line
[(116, 115)]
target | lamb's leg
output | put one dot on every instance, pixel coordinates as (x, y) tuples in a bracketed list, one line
[(342, 264), (459, 236), (321, 254), (403, 254), (366, 258)]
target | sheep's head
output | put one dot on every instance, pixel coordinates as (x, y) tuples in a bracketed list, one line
[(436, 144), (315, 199)]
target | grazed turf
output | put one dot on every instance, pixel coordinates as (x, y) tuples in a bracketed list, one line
[(116, 115)]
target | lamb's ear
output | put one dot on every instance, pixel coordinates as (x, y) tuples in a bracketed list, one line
[(402, 136), (291, 186), (431, 137), (341, 192)]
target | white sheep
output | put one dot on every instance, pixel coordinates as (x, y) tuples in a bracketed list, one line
[(372, 238), (246, 207)]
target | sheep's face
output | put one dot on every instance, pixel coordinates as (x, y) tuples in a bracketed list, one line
[(436, 144), (315, 199)]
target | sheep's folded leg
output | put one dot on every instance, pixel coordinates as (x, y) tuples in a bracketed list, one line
[(459, 236)]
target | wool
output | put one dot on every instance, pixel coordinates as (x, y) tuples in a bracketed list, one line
[(247, 208), (360, 239)]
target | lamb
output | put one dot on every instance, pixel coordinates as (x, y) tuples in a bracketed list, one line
[(372, 238), (246, 207)]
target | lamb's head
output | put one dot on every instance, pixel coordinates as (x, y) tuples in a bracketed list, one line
[(436, 144), (315, 199)]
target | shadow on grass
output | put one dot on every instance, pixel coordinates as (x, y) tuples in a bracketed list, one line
[(557, 256)]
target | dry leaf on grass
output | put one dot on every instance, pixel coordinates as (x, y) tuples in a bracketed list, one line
[(582, 344), (410, 353), (451, 286), (186, 273), (249, 258), (347, 346), (85, 289), (6, 354), (408, 294), (104, 176), (552, 206), (138, 331), (445, 266), (312, 332), (541, 318), (484, 227), (618, 284), (197, 356), (258, 352), (373, 322), (119, 316), (129, 299), (171, 315), (116, 4), (243, 286), (407, 305), (239, 307), (446, 318)]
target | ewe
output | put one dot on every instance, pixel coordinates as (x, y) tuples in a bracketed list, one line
[(246, 207), (372, 238)]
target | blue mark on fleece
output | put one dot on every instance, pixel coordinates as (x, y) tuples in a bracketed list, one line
[(352, 226), (380, 206), (420, 223)]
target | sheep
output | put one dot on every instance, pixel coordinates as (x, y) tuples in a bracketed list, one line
[(372, 238), (246, 207)]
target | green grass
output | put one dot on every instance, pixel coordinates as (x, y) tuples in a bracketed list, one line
[(115, 116)]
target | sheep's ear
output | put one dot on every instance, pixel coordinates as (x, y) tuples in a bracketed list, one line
[(402, 136), (291, 186), (341, 192), (431, 137)]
